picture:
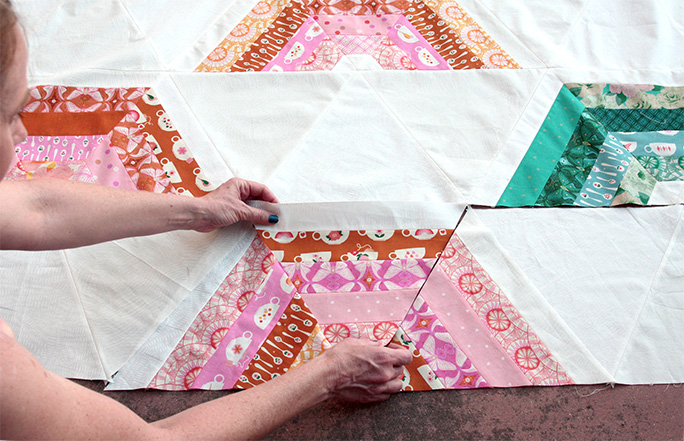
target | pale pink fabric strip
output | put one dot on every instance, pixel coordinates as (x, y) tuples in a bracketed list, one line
[(106, 165), (356, 24), (351, 307), (470, 333)]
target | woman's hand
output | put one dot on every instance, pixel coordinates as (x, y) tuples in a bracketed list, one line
[(226, 205), (364, 371)]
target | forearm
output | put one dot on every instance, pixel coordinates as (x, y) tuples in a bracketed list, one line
[(255, 412), (55, 214)]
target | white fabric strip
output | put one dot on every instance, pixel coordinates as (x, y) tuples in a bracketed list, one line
[(554, 332), (541, 25), (362, 215), (173, 26)]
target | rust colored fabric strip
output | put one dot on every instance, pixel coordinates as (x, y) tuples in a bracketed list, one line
[(71, 124), (273, 40), (440, 36), (282, 346), (318, 246)]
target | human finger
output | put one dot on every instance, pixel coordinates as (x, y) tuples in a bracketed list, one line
[(402, 356), (259, 216), (256, 190), (390, 387)]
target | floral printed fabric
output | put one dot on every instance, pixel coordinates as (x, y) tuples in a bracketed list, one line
[(127, 122), (628, 96), (567, 179), (603, 164), (228, 346), (647, 120), (446, 37)]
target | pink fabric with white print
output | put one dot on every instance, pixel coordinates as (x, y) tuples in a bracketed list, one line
[(362, 275), (247, 334), (351, 307), (108, 168), (439, 350), (299, 48), (57, 148), (470, 332)]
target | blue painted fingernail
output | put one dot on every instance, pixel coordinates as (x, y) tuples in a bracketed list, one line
[(273, 219)]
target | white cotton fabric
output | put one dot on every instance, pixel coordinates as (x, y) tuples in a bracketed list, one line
[(377, 215), (144, 364), (612, 275), (596, 34), (69, 36), (105, 300)]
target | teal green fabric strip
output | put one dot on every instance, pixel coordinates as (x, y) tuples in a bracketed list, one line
[(640, 120), (575, 164), (542, 156)]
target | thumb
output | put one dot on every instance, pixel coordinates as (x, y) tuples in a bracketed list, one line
[(259, 216)]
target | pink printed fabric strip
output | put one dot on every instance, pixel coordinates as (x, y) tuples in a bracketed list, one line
[(324, 57), (421, 53), (357, 24), (66, 170), (470, 333), (439, 350), (107, 166), (245, 337), (351, 307), (382, 331), (499, 316), (215, 319), (57, 148), (299, 48), (354, 276)]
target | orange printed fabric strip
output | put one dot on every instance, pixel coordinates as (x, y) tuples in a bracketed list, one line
[(172, 152), (272, 40), (152, 151), (277, 354), (325, 246), (440, 36), (502, 320), (80, 99), (472, 35), (242, 36), (315, 346), (70, 124), (418, 376), (356, 7)]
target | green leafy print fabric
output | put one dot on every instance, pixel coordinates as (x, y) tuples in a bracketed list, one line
[(628, 96), (663, 168), (575, 164)]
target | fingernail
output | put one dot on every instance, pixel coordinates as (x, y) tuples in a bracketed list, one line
[(273, 219)]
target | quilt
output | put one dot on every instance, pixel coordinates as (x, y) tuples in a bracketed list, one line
[(376, 123)]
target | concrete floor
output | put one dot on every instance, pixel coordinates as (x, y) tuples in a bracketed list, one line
[(534, 413)]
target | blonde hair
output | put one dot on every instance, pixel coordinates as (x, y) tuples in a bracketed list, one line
[(8, 37)]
